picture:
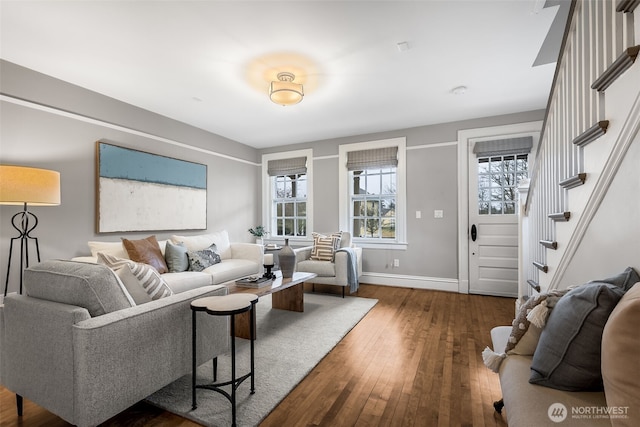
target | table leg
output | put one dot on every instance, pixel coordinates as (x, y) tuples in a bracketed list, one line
[(291, 299)]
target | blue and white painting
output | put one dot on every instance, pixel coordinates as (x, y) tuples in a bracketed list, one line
[(139, 191)]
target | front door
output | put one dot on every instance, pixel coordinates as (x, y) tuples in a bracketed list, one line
[(493, 223)]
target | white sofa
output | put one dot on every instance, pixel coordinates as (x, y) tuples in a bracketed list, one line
[(238, 260), (618, 405)]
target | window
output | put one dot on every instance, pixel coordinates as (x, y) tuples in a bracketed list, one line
[(502, 164), (287, 193), (498, 178), (290, 205), (372, 195), (373, 203)]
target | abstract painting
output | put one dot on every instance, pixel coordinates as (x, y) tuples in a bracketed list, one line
[(139, 191)]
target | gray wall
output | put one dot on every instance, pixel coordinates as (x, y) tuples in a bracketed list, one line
[(47, 139), (432, 183)]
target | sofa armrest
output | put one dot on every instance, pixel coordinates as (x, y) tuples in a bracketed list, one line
[(153, 342), (341, 261), (250, 251), (303, 254), (37, 351)]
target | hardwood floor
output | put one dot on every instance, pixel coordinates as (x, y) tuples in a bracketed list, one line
[(414, 360)]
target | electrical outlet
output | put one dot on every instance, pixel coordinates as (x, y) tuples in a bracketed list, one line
[(438, 213), (396, 262)]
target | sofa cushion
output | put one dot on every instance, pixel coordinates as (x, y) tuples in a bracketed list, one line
[(146, 251), (203, 241), (199, 260), (620, 361), (92, 286), (186, 280), (176, 257), (324, 247), (568, 353), (320, 268)]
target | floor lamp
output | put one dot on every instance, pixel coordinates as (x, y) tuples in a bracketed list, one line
[(24, 186)]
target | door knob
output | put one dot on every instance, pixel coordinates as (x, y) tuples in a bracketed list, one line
[(474, 232)]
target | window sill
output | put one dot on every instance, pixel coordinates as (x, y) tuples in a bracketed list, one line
[(398, 246)]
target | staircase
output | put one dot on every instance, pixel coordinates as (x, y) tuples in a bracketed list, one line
[(580, 211)]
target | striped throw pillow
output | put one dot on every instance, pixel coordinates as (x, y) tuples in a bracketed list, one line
[(324, 247), (142, 275)]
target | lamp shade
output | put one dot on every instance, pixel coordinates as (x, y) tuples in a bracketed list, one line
[(36, 187), (285, 91)]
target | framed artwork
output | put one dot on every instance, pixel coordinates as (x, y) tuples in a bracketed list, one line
[(139, 191)]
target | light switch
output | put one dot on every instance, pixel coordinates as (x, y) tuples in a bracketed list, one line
[(438, 213), (418, 214)]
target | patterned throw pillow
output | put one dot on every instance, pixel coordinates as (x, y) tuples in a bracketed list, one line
[(199, 260), (525, 335), (324, 247), (136, 276)]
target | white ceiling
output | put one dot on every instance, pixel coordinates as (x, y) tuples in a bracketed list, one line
[(209, 63)]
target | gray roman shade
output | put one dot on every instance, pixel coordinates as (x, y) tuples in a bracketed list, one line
[(375, 158), (292, 166), (503, 147)]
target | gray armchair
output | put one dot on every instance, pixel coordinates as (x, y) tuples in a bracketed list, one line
[(60, 352), (331, 272)]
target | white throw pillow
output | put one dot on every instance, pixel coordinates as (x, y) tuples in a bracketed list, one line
[(203, 241), (112, 248)]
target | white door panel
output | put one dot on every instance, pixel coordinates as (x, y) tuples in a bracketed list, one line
[(493, 256)]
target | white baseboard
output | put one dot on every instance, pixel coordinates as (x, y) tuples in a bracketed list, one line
[(403, 281)]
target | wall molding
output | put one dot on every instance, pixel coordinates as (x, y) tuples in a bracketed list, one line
[(98, 122), (405, 281)]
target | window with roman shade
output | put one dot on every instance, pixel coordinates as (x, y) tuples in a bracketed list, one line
[(374, 191), (502, 164), (288, 193)]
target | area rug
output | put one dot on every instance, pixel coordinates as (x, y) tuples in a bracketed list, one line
[(288, 347)]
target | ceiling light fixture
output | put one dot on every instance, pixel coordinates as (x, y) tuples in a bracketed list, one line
[(285, 91)]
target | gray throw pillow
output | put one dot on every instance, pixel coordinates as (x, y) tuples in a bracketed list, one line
[(176, 257), (624, 280), (568, 354), (199, 260)]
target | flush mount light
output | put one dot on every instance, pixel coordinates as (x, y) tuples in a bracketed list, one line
[(285, 91), (460, 90)]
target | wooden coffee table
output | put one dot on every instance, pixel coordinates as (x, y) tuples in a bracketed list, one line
[(286, 294)]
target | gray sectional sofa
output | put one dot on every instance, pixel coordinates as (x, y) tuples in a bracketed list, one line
[(78, 346)]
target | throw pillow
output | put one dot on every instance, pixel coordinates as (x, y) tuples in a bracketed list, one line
[(324, 247), (620, 361), (176, 257), (524, 335), (199, 260), (146, 277), (141, 280), (203, 241), (624, 280), (146, 251), (568, 353)]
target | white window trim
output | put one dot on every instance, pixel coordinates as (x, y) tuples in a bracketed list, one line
[(267, 192), (401, 195)]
